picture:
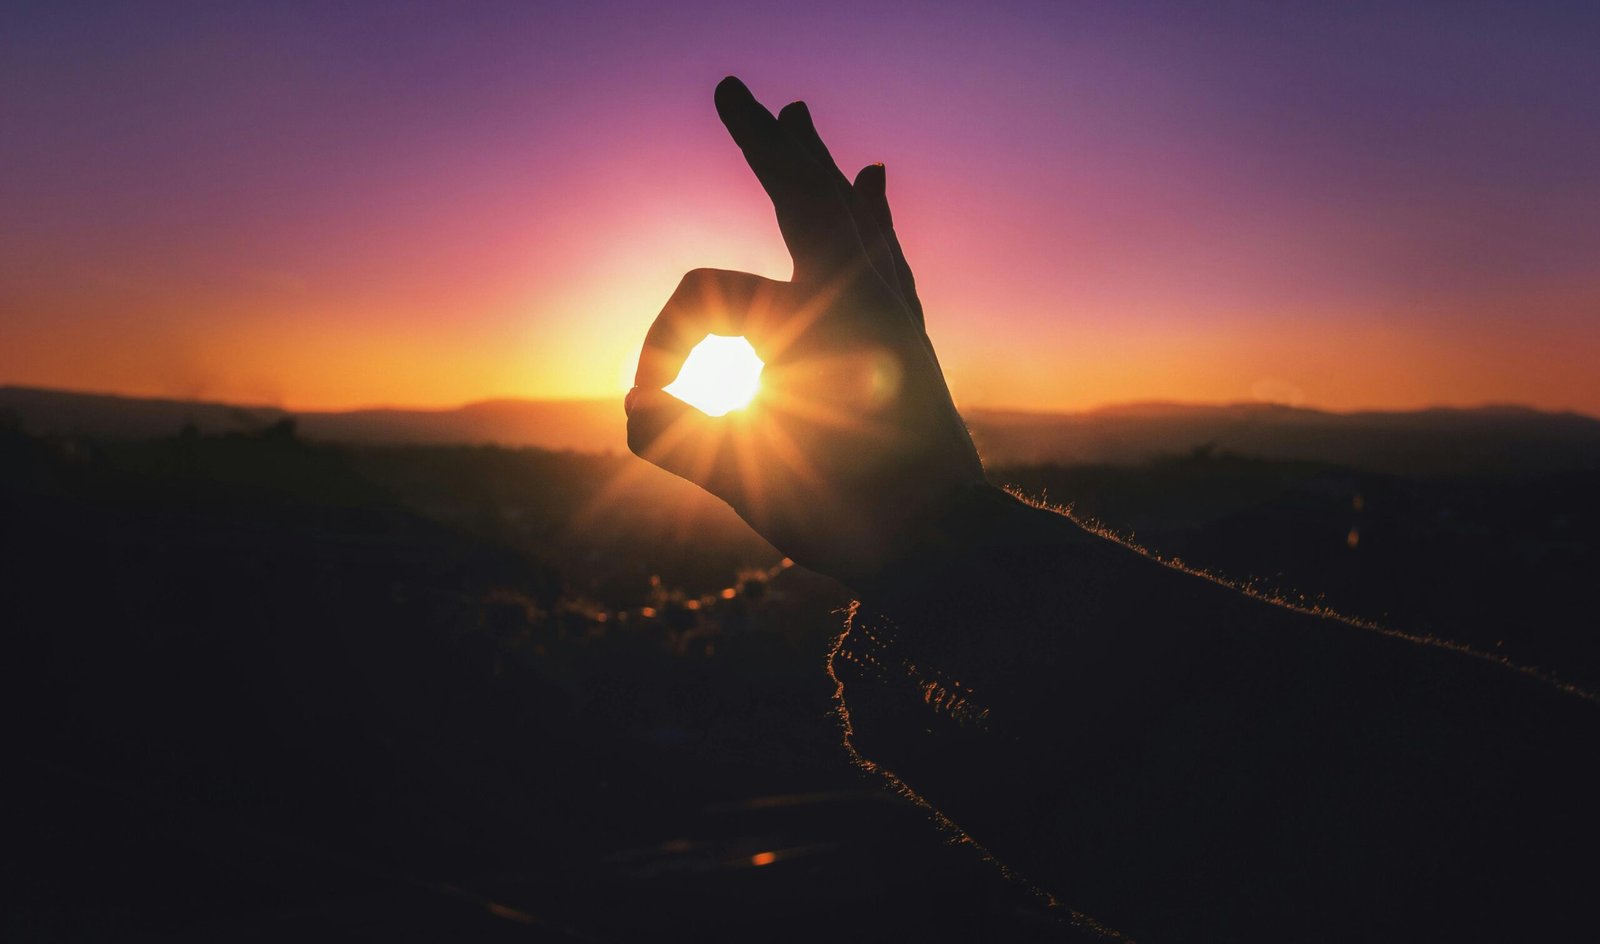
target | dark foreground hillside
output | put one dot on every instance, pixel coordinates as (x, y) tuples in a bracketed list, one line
[(260, 688), (253, 693)]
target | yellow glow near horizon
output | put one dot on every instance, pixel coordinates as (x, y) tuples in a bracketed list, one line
[(721, 374)]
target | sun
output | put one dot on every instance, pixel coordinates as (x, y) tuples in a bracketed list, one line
[(720, 375)]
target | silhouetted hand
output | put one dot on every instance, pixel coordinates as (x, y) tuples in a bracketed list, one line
[(1172, 757), (853, 438)]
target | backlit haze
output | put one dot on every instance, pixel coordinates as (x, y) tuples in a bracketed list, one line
[(333, 205)]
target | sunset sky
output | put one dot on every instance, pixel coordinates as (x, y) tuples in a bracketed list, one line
[(342, 204)]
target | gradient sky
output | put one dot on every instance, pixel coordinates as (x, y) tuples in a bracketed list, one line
[(344, 204)]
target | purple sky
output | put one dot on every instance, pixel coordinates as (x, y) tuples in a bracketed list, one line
[(342, 204)]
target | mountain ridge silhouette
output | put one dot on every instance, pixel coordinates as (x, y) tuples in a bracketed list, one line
[(1496, 438)]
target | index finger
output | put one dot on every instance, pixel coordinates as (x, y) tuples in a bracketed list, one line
[(706, 301)]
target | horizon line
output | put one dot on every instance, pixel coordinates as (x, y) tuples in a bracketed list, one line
[(977, 408)]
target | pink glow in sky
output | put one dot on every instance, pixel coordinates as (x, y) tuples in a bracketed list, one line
[(329, 205)]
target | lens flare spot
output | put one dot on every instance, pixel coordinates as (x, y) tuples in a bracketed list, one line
[(720, 375)]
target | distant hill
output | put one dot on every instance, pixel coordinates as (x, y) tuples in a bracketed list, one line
[(581, 425), (1491, 439)]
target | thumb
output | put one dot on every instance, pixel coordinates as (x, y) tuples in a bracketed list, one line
[(681, 439)]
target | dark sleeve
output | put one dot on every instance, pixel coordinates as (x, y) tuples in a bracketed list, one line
[(1173, 759)]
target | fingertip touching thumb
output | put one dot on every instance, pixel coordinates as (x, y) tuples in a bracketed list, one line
[(679, 438)]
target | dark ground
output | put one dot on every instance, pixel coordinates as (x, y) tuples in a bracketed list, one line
[(261, 688)]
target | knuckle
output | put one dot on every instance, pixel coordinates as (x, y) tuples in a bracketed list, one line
[(696, 280)]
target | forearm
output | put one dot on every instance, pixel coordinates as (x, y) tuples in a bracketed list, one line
[(1166, 753)]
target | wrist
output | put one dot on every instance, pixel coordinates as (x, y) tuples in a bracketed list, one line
[(969, 530)]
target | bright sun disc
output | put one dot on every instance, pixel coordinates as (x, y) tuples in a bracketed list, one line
[(719, 375)]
